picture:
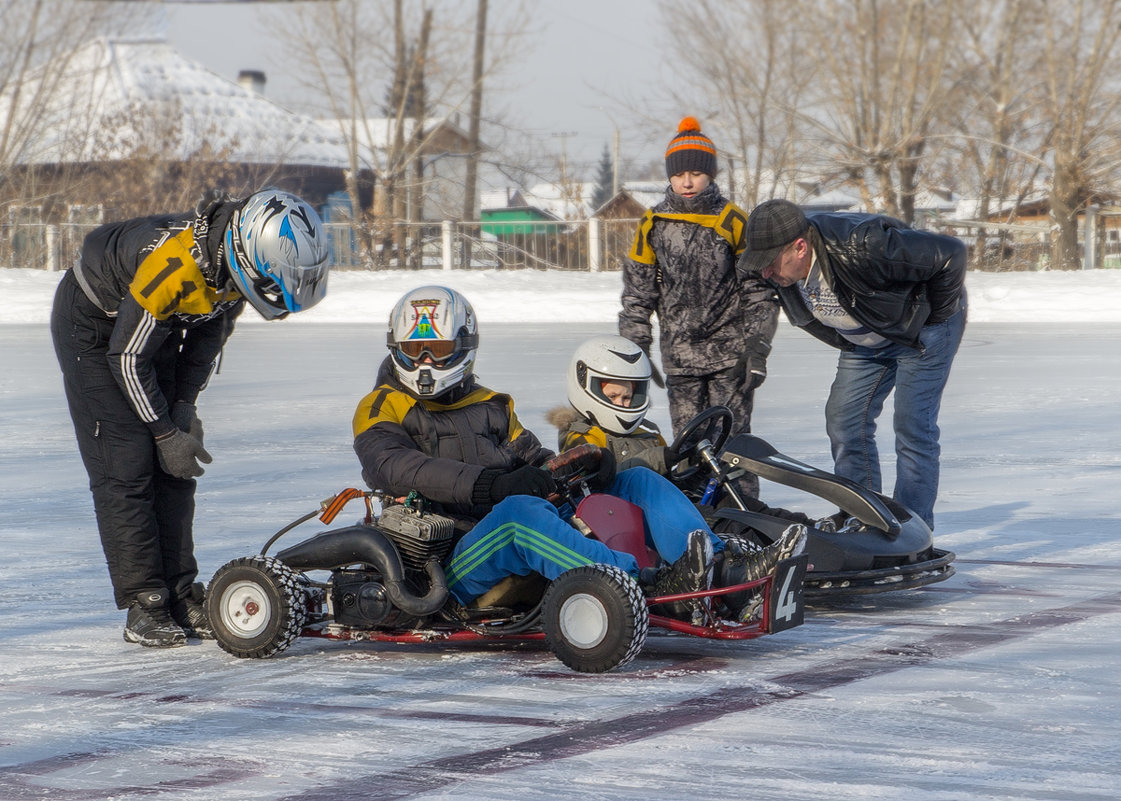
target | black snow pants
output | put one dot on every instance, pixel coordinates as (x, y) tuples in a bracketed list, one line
[(144, 515), (689, 395)]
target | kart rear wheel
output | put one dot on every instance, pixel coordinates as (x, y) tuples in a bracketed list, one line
[(257, 606), (595, 618)]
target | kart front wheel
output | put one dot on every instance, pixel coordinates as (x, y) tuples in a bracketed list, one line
[(595, 618), (257, 606)]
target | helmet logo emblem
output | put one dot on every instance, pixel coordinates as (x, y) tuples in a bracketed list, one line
[(424, 325)]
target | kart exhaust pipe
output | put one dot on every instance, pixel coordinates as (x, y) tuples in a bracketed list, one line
[(355, 544)]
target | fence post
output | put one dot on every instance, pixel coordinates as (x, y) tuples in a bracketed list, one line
[(446, 244), (52, 248), (595, 252), (1090, 237)]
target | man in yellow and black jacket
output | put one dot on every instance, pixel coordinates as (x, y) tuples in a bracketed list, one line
[(138, 324)]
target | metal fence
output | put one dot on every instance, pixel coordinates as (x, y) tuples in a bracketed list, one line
[(585, 245)]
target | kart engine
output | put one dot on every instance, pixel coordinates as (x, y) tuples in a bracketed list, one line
[(359, 597), (419, 536)]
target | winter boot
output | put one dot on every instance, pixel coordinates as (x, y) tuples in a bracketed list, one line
[(745, 561), (189, 613), (690, 573), (149, 622)]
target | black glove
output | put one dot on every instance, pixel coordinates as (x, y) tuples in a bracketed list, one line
[(655, 376), (528, 480), (178, 453), (606, 473), (751, 369), (186, 417), (669, 459)]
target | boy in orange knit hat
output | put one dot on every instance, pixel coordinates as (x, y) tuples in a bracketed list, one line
[(714, 330)]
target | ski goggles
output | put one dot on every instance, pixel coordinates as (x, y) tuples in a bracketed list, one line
[(438, 350)]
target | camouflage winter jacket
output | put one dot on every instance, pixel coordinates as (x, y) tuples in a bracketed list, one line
[(682, 267)]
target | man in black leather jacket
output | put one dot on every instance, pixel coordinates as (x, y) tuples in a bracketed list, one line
[(892, 299)]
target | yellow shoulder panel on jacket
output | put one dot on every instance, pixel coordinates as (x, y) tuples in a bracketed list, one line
[(594, 436), (641, 251), (384, 404), (169, 281), (729, 224)]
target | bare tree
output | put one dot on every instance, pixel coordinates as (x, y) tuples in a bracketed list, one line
[(400, 64), (995, 135), (882, 89), (1082, 98), (753, 88), (38, 40)]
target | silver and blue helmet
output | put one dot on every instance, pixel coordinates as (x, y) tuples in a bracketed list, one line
[(277, 252)]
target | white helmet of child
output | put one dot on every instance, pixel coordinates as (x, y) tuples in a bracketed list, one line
[(611, 360), (433, 338), (277, 252)]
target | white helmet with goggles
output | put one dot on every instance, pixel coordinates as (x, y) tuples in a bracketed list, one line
[(433, 337), (277, 252), (608, 383)]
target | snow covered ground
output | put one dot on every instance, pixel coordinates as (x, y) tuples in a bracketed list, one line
[(1001, 683)]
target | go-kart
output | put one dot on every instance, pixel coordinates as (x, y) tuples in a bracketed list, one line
[(878, 545), (385, 583)]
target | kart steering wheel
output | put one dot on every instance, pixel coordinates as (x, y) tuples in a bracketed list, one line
[(572, 467), (714, 425)]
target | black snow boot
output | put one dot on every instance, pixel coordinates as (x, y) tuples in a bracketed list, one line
[(745, 561), (189, 613), (149, 622), (691, 572)]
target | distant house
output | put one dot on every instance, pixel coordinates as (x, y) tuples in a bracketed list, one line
[(139, 101), (518, 220), (632, 200), (431, 184)]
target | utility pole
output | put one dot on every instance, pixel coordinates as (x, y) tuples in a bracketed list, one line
[(615, 166), (471, 176), (563, 136)]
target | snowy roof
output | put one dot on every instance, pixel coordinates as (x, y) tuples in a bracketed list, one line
[(118, 95), (378, 132), (645, 193)]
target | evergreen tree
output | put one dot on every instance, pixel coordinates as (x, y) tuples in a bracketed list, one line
[(605, 178)]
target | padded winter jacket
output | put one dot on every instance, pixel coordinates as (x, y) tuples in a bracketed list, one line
[(682, 267), (889, 277), (440, 447), (645, 447), (158, 277)]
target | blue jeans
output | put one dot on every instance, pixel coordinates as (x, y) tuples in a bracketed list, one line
[(523, 535), (864, 378)]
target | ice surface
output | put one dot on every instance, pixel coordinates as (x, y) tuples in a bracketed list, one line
[(1000, 683)]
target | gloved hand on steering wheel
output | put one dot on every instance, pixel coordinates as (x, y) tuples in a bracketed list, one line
[(603, 477), (494, 485)]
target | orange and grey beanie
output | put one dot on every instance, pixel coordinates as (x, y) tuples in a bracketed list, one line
[(690, 150)]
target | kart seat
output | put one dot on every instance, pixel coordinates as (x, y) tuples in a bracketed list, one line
[(619, 525)]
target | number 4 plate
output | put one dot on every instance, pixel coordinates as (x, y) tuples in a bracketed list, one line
[(787, 609)]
